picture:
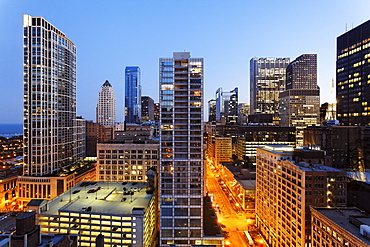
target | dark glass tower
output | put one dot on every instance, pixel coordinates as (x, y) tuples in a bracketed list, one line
[(353, 76), (132, 95)]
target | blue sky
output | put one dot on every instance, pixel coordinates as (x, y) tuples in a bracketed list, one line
[(110, 35)]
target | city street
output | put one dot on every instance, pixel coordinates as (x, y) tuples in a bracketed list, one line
[(233, 224)]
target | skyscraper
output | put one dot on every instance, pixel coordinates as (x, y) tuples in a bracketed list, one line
[(353, 76), (147, 108), (181, 150), (212, 110), (300, 103), (267, 80), (106, 109), (132, 94), (49, 69), (227, 106)]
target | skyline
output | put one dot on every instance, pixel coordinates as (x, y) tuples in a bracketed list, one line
[(226, 36)]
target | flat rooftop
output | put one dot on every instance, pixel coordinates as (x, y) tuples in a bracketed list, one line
[(314, 167), (247, 184), (109, 199), (341, 218)]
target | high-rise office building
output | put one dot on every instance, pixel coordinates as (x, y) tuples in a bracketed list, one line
[(147, 108), (227, 106), (49, 108), (267, 80), (212, 110), (353, 76), (181, 150), (300, 102), (106, 108), (243, 113), (156, 111), (132, 94)]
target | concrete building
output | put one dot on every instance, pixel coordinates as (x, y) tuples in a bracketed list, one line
[(288, 182), (9, 190), (95, 133), (106, 108), (219, 149), (267, 80), (347, 227), (48, 187), (348, 146), (132, 95), (353, 76), (137, 132), (253, 136), (147, 108), (49, 108), (126, 160), (124, 215), (25, 233), (300, 102)]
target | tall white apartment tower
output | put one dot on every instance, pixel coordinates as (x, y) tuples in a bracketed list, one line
[(106, 108), (181, 150), (49, 82)]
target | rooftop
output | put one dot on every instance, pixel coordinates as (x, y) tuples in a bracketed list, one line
[(341, 217), (278, 148), (108, 199), (248, 184), (304, 166)]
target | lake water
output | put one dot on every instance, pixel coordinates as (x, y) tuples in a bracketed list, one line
[(9, 130)]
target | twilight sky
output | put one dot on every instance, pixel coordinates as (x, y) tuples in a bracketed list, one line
[(110, 35)]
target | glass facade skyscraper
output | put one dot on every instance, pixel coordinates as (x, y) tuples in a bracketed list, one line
[(49, 78), (267, 80), (227, 106), (353, 76), (181, 150), (300, 103), (132, 95)]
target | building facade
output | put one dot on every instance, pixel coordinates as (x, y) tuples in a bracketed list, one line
[(347, 146), (49, 108), (243, 113), (106, 108), (122, 220), (126, 160), (219, 149), (267, 80), (227, 106), (288, 182), (347, 227), (253, 136), (95, 133), (147, 108), (353, 76), (132, 94), (212, 111), (300, 103), (181, 150)]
